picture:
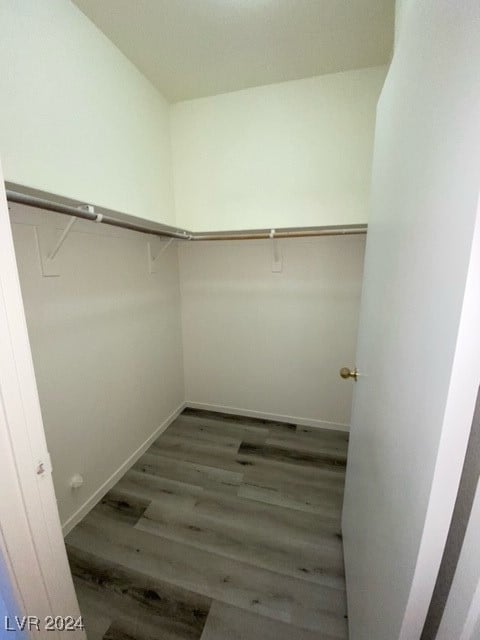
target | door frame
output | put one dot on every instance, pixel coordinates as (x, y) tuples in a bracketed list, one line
[(31, 540), (456, 428)]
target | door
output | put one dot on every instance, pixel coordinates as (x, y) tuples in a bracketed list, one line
[(32, 552), (419, 338)]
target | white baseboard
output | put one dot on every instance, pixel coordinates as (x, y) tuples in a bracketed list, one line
[(306, 422), (74, 519)]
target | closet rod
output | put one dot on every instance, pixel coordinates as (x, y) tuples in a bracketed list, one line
[(282, 233), (85, 213)]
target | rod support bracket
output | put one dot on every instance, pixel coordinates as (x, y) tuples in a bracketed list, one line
[(154, 256), (49, 243), (89, 208), (277, 264)]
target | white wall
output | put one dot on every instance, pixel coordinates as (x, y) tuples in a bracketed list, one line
[(271, 343), (79, 120), (106, 342), (76, 117), (290, 154), (400, 11)]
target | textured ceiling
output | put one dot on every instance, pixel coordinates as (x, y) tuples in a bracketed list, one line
[(194, 48)]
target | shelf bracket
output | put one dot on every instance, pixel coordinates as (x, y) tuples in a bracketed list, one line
[(276, 254), (48, 244), (154, 257)]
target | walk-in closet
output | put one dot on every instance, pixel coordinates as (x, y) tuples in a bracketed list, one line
[(238, 364)]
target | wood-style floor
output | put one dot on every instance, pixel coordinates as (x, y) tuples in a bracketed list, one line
[(227, 528)]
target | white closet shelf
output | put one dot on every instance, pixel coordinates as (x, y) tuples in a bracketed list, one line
[(48, 202)]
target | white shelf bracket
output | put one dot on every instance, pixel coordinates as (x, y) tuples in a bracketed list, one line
[(48, 244), (61, 240), (154, 257), (276, 254)]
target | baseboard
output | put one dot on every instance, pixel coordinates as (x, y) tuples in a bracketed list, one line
[(74, 519), (306, 422)]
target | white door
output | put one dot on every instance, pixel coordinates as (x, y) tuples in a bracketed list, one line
[(32, 552), (419, 337)]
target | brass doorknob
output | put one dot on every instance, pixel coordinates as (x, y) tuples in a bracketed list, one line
[(345, 373)]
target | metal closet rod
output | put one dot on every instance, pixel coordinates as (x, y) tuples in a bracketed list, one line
[(87, 212)]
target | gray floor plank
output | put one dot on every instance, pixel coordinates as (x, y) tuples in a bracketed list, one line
[(320, 491), (293, 456), (190, 472), (315, 448), (288, 498), (244, 421), (225, 622), (251, 588), (273, 485), (179, 442), (152, 487), (328, 477), (180, 612), (322, 564), (213, 435), (316, 432), (331, 479), (233, 429), (106, 612), (306, 529), (309, 442), (95, 613), (127, 507), (196, 453)]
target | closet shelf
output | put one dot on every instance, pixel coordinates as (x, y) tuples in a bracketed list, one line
[(103, 216)]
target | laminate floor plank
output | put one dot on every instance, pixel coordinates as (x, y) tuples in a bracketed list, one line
[(244, 421), (178, 442), (293, 456), (191, 472), (308, 443), (227, 527), (127, 630), (180, 612), (229, 623), (195, 454), (128, 617), (316, 432), (286, 498), (152, 487), (213, 435), (275, 486), (194, 424), (306, 529), (228, 428), (254, 589), (275, 470), (319, 490), (322, 564), (94, 612), (127, 507), (312, 449)]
